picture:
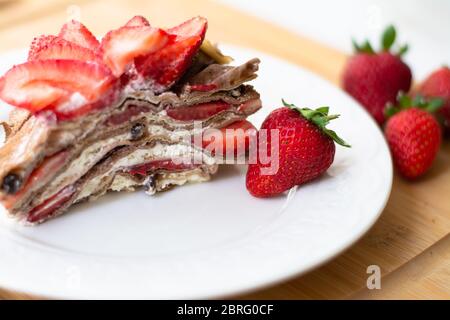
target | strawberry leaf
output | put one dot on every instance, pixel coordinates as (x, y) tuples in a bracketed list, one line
[(356, 46), (390, 110), (403, 50), (417, 101), (387, 41), (434, 105), (406, 102), (366, 47), (388, 38), (321, 119)]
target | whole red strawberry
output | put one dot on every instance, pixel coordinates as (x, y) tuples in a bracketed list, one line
[(299, 149), (435, 85), (413, 135), (375, 78)]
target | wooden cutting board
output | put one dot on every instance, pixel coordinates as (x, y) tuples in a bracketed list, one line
[(410, 242)]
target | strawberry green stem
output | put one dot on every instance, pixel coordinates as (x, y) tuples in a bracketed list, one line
[(321, 119), (388, 38), (387, 41), (406, 102)]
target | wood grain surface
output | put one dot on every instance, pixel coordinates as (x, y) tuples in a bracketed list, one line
[(410, 242)]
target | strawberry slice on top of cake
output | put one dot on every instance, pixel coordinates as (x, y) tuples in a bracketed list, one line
[(116, 114)]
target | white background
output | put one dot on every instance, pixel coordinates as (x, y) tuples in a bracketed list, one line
[(423, 24)]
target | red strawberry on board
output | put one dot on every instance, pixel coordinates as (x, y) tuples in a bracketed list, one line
[(437, 85), (304, 149), (167, 65), (77, 33), (375, 78), (413, 135)]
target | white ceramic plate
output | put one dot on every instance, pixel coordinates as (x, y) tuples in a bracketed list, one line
[(211, 239)]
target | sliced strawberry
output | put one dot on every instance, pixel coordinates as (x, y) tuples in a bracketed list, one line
[(194, 27), (40, 175), (120, 47), (165, 164), (251, 106), (203, 87), (77, 33), (41, 43), (38, 43), (34, 97), (77, 106), (138, 21), (35, 85), (49, 207), (200, 111), (131, 111), (66, 50), (167, 65), (233, 139)]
